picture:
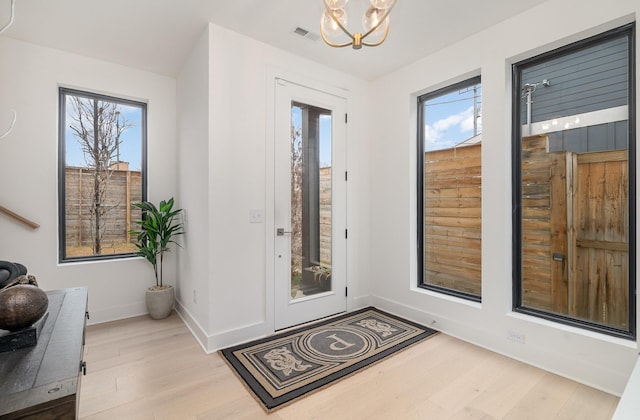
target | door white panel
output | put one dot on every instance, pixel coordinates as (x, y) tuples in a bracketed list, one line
[(309, 205)]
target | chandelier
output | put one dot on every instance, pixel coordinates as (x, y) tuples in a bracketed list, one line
[(375, 24)]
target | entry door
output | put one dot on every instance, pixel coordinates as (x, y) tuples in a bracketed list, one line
[(310, 205)]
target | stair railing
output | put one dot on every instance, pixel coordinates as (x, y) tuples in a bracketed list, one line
[(17, 217)]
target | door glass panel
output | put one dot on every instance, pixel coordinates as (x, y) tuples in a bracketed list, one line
[(310, 200)]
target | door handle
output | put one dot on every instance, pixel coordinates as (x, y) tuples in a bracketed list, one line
[(281, 231)]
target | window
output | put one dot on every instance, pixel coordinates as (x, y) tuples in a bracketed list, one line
[(574, 189), (102, 170), (449, 189), (310, 200)]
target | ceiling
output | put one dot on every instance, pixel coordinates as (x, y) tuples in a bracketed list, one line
[(157, 35)]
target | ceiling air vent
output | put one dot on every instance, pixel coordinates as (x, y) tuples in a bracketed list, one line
[(306, 34)]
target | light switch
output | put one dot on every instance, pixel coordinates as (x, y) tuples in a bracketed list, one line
[(256, 216)]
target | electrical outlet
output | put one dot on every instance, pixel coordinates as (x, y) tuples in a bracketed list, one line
[(194, 296), (515, 336)]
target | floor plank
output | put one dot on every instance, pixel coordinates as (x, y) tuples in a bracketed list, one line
[(144, 369)]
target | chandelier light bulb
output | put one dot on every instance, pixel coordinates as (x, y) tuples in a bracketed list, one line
[(329, 26), (370, 19), (336, 4), (382, 4)]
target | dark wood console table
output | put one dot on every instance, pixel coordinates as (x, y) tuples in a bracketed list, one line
[(43, 382)]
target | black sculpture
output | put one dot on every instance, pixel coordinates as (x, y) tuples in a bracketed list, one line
[(22, 302)]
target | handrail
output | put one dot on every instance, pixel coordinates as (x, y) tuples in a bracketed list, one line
[(15, 216), (11, 125), (13, 12), (4, 28)]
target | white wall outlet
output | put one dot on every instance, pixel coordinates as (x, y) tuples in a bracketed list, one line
[(256, 216), (183, 219), (194, 296), (515, 336)]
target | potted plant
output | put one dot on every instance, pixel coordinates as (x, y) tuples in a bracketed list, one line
[(158, 227)]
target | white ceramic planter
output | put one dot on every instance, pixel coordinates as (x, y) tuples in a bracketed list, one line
[(160, 302)]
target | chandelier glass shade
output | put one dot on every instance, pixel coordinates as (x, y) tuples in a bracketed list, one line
[(375, 24)]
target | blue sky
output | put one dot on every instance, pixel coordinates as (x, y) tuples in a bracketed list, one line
[(130, 148), (325, 134), (325, 141), (449, 119)]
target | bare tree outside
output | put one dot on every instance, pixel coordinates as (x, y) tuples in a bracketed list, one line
[(296, 201), (98, 126)]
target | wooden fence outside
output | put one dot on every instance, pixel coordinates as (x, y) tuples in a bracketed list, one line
[(453, 218), (325, 216), (324, 213), (124, 188), (575, 232), (538, 244)]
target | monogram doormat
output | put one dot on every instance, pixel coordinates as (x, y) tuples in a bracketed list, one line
[(286, 366)]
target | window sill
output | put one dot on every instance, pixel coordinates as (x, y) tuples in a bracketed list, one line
[(83, 261), (446, 297), (624, 342)]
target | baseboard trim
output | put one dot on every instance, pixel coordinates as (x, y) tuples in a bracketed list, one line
[(193, 326), (358, 302), (115, 313), (212, 343), (238, 336)]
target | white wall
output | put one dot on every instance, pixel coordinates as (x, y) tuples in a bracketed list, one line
[(239, 286), (29, 79), (194, 172), (629, 406), (591, 358)]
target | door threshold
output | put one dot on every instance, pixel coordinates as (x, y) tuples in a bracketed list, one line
[(310, 323)]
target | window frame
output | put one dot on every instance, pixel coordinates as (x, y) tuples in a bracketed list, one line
[(63, 92), (421, 99), (516, 159)]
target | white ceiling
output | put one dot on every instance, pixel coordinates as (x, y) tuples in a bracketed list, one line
[(157, 35)]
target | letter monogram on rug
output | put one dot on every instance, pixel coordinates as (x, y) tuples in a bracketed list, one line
[(339, 344), (286, 366)]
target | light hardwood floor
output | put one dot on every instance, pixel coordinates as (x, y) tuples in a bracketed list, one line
[(144, 369)]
